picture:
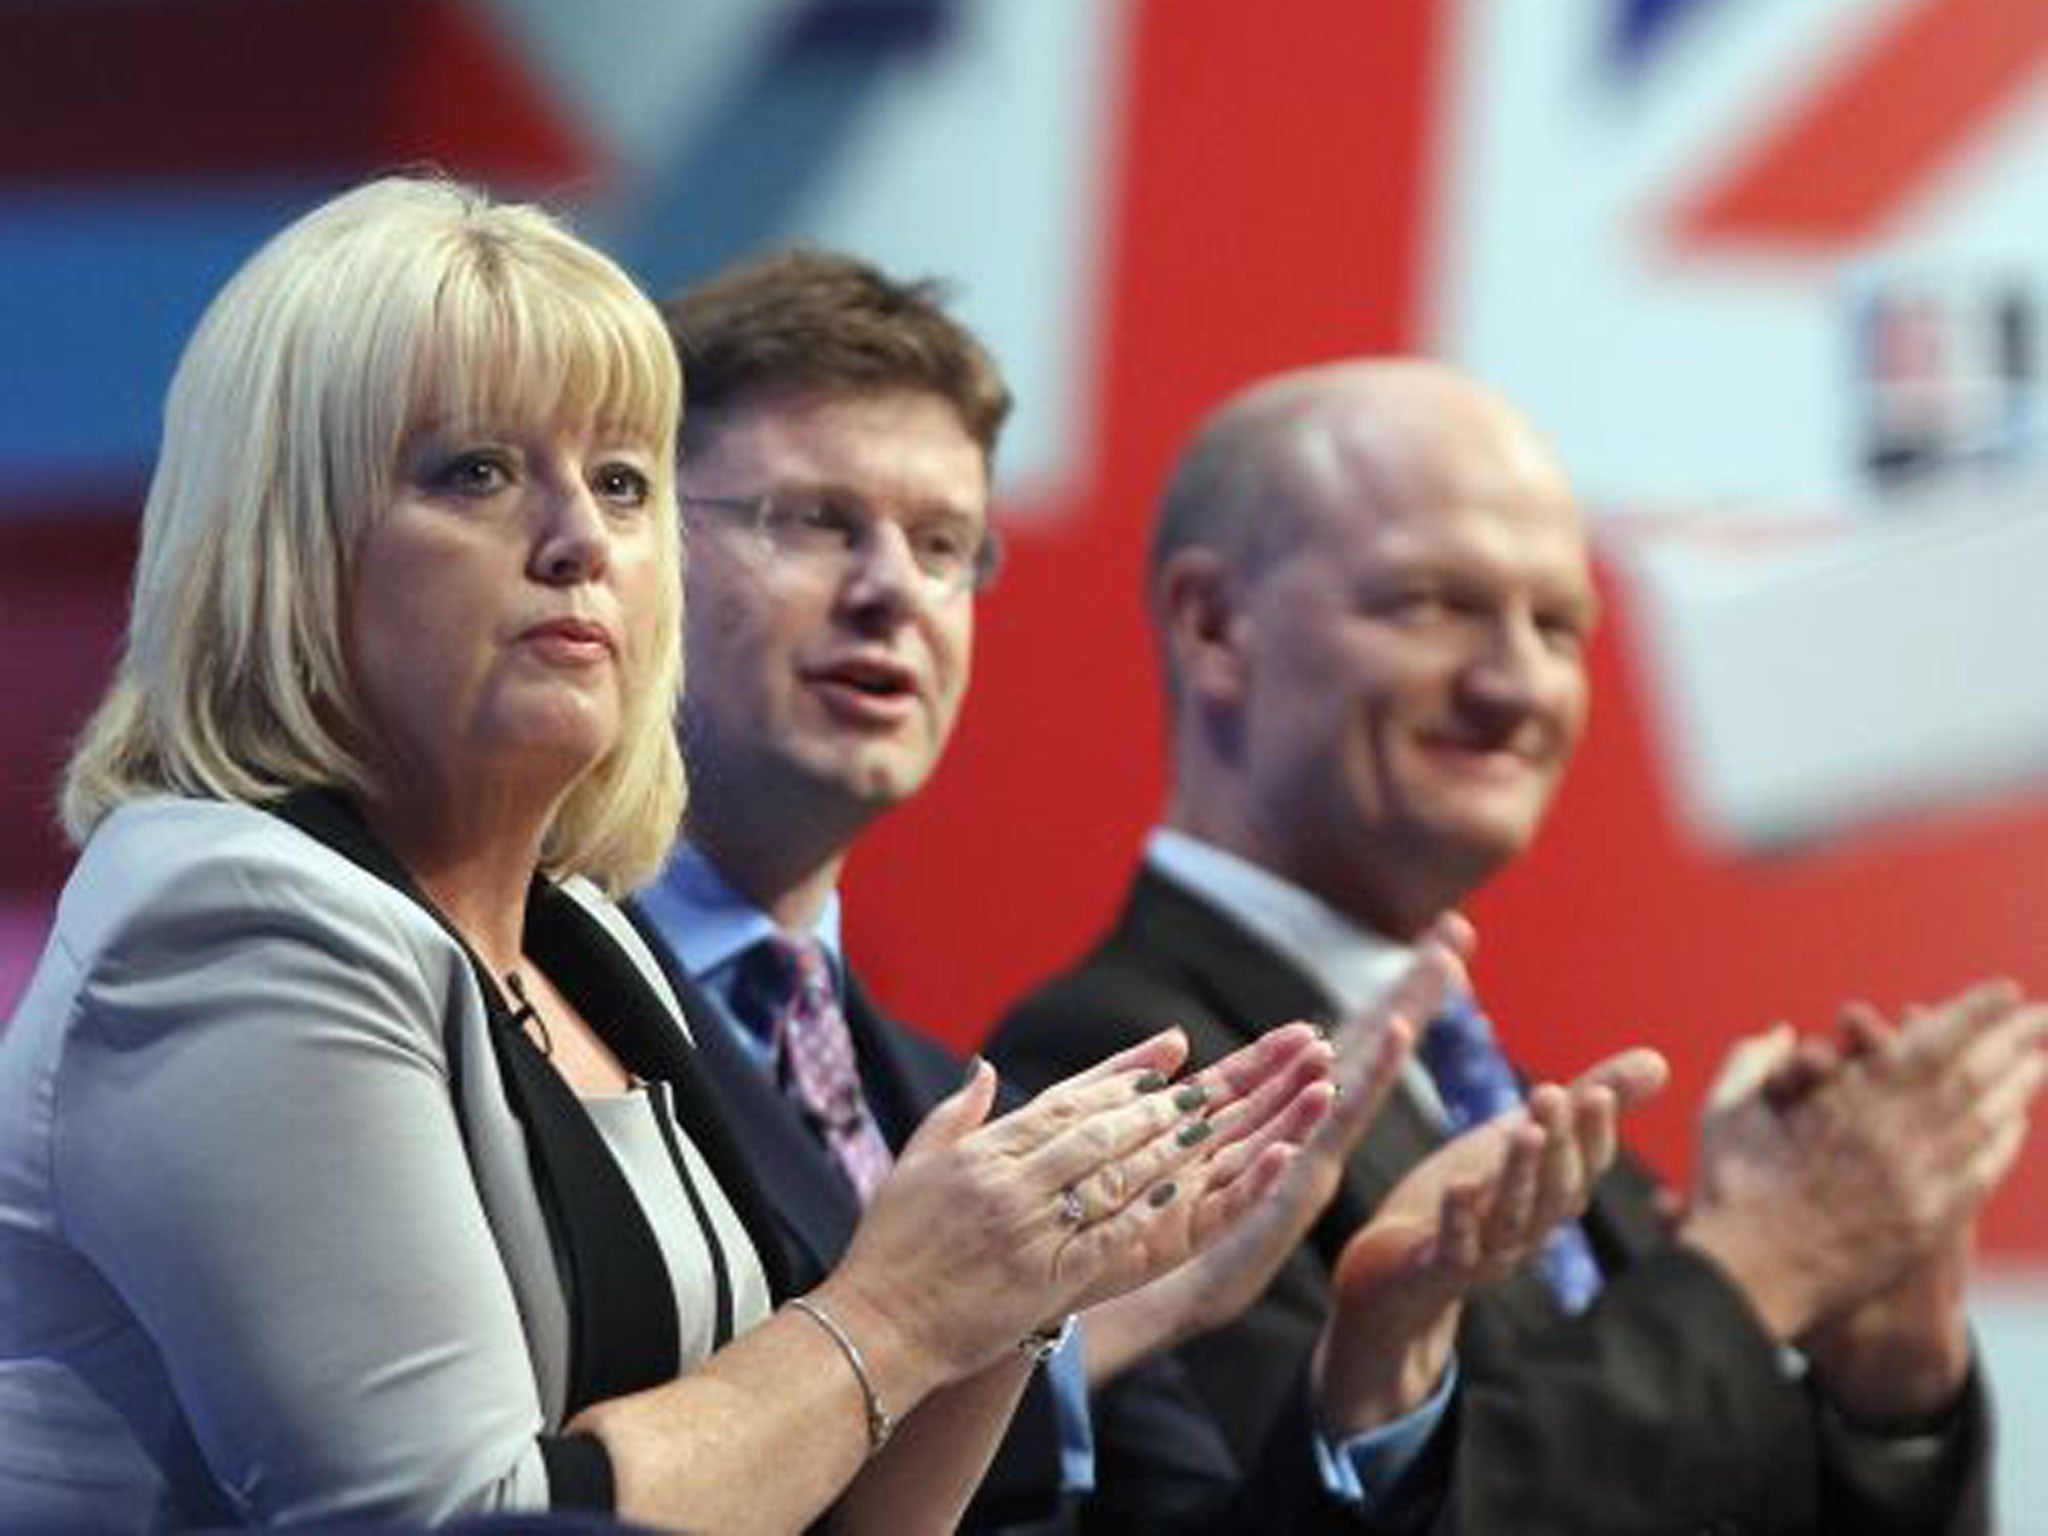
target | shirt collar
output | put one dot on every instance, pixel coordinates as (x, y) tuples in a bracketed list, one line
[(1353, 965), (709, 924)]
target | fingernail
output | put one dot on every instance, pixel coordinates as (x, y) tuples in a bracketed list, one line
[(1190, 1097), (1151, 1080), (1193, 1133), (1322, 1030), (1159, 1194)]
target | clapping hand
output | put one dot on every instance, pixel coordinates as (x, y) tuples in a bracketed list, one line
[(1466, 1216), (1904, 1352), (1829, 1172), (987, 1228), (1228, 1276)]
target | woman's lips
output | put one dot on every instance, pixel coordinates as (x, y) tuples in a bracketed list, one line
[(575, 642)]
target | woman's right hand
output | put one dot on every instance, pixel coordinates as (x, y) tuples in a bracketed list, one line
[(988, 1229), (1232, 1273)]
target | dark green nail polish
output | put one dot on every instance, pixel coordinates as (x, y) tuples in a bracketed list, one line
[(1151, 1080), (1190, 1097), (1193, 1133), (1159, 1194)]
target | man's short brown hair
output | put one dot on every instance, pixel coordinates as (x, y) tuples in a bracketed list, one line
[(803, 318)]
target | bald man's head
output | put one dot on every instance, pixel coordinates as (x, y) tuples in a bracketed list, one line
[(1376, 428), (1372, 590)]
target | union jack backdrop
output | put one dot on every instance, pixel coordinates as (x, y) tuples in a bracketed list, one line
[(1772, 276)]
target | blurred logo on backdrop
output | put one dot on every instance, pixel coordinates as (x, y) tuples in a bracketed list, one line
[(1772, 276), (1946, 372)]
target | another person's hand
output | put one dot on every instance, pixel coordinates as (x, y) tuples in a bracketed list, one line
[(1222, 1280), (987, 1229), (1825, 1177), (1466, 1216), (1903, 1355)]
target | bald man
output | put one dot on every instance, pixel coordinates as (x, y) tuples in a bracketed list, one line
[(1373, 596)]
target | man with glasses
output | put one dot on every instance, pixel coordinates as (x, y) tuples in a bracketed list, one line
[(836, 454)]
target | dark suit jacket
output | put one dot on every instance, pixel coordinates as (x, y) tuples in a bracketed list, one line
[(1161, 1464), (1663, 1409)]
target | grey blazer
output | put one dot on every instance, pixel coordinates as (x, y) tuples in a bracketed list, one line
[(294, 1222)]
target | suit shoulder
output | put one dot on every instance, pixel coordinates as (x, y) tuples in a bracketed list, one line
[(177, 899), (197, 866)]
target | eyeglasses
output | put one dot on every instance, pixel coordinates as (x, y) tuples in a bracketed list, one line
[(827, 534)]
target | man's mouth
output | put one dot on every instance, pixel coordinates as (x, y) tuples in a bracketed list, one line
[(880, 678), (867, 689), (1498, 753)]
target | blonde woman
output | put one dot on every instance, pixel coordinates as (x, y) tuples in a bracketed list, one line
[(352, 1158)]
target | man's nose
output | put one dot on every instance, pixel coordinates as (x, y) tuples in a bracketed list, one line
[(1514, 668), (882, 572)]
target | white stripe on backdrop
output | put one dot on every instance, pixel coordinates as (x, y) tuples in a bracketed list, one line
[(2009, 1306)]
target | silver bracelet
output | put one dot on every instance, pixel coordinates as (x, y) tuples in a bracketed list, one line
[(881, 1423), (1041, 1344)]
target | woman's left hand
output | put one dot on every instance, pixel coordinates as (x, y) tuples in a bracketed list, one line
[(985, 1231)]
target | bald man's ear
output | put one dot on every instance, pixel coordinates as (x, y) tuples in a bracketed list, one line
[(1196, 597)]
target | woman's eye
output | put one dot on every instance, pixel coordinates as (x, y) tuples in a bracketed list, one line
[(622, 485), (473, 474)]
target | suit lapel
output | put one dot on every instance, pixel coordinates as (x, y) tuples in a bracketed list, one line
[(1623, 1221), (579, 953), (815, 1209), (610, 1263), (904, 1074), (1249, 987)]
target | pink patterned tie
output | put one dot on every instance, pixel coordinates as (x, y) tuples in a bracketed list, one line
[(815, 1056)]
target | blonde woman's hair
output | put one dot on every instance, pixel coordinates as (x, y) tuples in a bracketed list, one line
[(406, 301)]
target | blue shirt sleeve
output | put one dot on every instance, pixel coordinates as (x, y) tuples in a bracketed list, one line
[(1066, 1373), (1365, 1470)]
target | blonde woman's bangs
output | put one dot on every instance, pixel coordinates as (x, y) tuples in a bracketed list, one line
[(542, 336), (403, 303)]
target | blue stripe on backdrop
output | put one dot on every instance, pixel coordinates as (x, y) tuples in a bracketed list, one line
[(97, 296), (1641, 27), (732, 186)]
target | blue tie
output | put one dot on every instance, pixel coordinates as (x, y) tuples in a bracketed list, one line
[(1476, 1083)]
